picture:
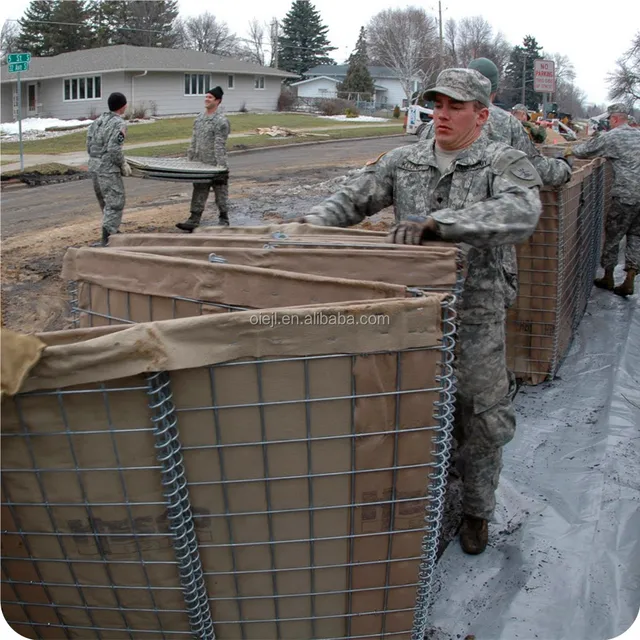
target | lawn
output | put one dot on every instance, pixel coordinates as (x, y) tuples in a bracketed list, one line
[(254, 141), (175, 129)]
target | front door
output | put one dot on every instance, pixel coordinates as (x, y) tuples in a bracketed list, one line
[(32, 99)]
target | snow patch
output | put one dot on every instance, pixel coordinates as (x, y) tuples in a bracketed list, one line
[(344, 118)]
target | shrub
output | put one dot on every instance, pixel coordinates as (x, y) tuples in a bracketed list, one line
[(351, 112), (154, 108), (139, 111), (286, 99), (334, 107), (396, 111)]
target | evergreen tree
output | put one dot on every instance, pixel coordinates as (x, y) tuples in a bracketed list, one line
[(153, 21), (358, 78), (36, 29), (304, 42), (521, 59), (71, 29), (105, 19), (144, 24)]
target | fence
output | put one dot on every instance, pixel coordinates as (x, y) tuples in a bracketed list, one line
[(210, 474)]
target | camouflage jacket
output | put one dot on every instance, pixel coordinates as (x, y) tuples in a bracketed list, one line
[(209, 139), (622, 146), (505, 127), (487, 200), (105, 138)]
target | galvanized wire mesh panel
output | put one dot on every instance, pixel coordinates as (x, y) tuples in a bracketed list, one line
[(87, 532), (314, 486), (556, 267)]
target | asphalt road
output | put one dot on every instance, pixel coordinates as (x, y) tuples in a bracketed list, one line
[(51, 205)]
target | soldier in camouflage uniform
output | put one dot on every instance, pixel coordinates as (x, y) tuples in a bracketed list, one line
[(483, 195), (209, 145), (107, 165), (620, 145), (504, 127)]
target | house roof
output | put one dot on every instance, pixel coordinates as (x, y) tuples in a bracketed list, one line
[(124, 57), (341, 71), (336, 80)]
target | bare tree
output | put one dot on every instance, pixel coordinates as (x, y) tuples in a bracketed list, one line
[(406, 41), (475, 39), (564, 69), (450, 43), (205, 33), (8, 39), (624, 82)]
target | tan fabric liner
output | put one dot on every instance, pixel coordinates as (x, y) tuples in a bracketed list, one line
[(207, 340), (435, 269), (243, 286)]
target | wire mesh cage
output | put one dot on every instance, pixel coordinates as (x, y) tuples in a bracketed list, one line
[(156, 487), (118, 286), (556, 267)]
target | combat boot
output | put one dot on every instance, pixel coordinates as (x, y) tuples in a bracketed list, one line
[(191, 223), (606, 282), (626, 288), (223, 219), (474, 534), (104, 241)]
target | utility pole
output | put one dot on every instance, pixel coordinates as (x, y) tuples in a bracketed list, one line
[(440, 27), (275, 43), (524, 75)]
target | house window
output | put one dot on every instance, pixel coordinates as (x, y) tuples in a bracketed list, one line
[(259, 82), (231, 82), (196, 84), (87, 88)]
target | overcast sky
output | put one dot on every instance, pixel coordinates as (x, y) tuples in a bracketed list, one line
[(593, 39)]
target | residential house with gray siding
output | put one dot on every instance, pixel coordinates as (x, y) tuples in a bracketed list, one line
[(165, 82), (322, 82)]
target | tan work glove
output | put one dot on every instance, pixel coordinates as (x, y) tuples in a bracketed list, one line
[(413, 232), (125, 170)]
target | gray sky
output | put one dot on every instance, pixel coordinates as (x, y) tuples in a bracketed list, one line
[(592, 39)]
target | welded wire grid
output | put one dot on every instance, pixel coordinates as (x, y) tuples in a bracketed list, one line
[(301, 533), (100, 306), (88, 536), (556, 268)]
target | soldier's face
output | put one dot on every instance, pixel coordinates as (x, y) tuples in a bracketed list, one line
[(521, 115), (457, 124), (209, 100)]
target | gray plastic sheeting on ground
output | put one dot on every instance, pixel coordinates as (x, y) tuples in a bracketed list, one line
[(564, 555)]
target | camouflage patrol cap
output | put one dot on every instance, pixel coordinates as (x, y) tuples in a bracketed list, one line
[(519, 107), (618, 107), (465, 85)]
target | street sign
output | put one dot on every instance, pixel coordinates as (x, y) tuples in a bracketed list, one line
[(18, 57), (16, 67), (544, 76)]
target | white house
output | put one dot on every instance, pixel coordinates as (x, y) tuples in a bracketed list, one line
[(165, 81), (322, 81)]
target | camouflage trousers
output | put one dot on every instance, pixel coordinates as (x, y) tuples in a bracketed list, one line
[(109, 189), (623, 220), (484, 418), (201, 194)]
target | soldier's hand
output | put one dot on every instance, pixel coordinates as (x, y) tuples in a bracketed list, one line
[(413, 232), (126, 169)]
